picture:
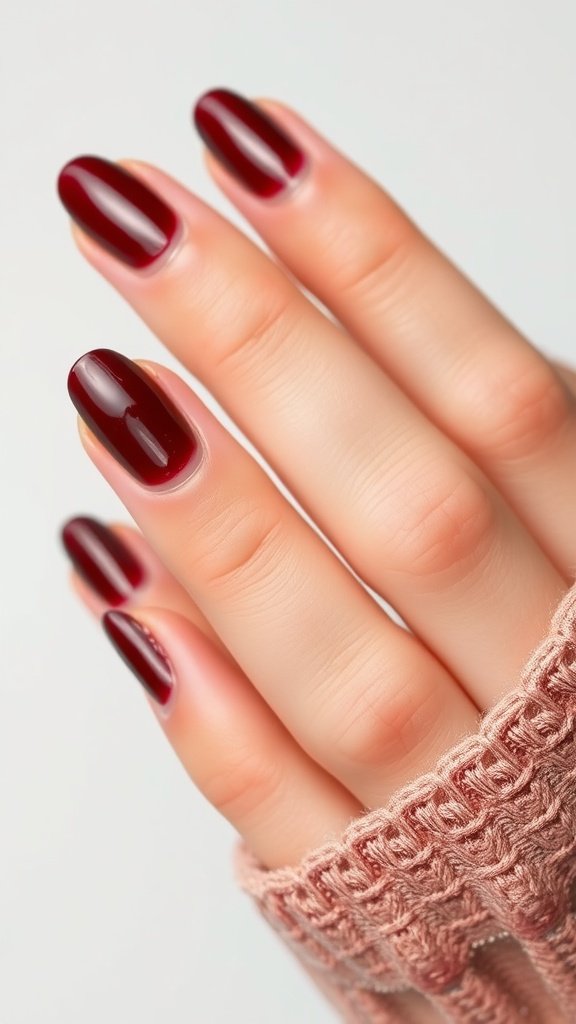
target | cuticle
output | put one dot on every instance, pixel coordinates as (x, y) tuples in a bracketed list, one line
[(139, 588), (165, 710), (293, 183), (172, 250), (184, 475)]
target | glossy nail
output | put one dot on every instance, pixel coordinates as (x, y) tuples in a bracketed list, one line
[(132, 417), (117, 209), (102, 559), (248, 142), (141, 652)]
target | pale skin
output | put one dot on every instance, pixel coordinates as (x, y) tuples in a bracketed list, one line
[(431, 443)]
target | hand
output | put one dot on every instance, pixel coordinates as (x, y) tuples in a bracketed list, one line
[(430, 442)]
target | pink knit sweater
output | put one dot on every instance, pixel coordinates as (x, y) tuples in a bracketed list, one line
[(455, 901)]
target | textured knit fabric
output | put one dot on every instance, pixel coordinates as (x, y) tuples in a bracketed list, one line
[(454, 901)]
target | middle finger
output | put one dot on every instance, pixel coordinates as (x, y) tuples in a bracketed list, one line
[(408, 509)]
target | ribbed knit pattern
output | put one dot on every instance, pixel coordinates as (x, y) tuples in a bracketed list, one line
[(453, 902)]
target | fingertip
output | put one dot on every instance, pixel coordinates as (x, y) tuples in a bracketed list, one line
[(85, 594), (79, 237)]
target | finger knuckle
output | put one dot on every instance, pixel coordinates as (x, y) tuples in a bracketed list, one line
[(440, 528), (260, 326), (386, 723), (245, 782), (521, 408), (376, 266), (242, 549)]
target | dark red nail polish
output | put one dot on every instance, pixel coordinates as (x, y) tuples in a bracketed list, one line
[(117, 209), (101, 559), (141, 652), (131, 416), (248, 142)]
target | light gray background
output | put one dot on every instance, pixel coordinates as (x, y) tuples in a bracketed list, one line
[(117, 902)]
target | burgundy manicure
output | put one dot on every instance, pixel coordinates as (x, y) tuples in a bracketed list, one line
[(141, 652), (248, 142), (131, 416), (117, 209), (102, 559)]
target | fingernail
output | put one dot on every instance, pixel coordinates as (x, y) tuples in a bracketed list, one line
[(117, 210), (132, 417), (141, 652), (101, 559), (248, 142)]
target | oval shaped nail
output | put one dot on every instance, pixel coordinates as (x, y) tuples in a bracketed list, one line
[(141, 652), (117, 210), (132, 417), (103, 561), (248, 142)]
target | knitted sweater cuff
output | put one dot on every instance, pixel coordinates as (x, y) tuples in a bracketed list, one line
[(454, 901)]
